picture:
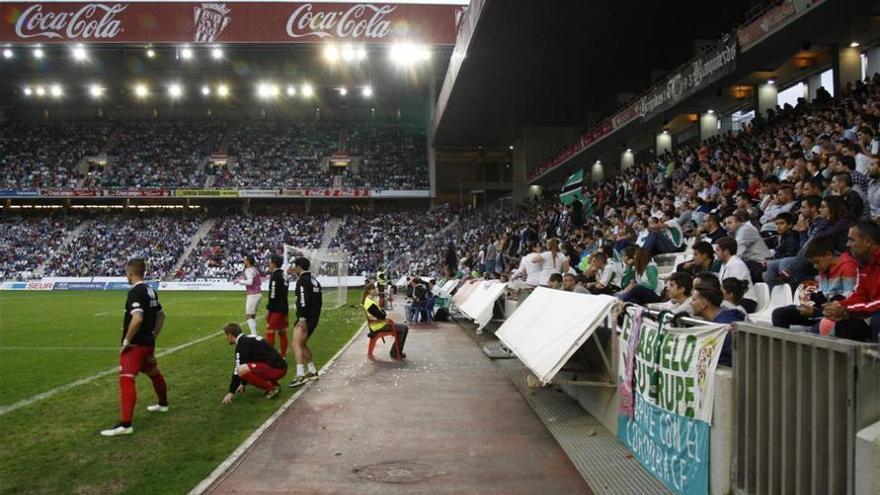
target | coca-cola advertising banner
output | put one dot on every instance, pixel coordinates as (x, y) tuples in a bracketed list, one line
[(326, 193), (227, 22)]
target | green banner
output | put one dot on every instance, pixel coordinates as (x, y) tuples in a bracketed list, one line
[(572, 189)]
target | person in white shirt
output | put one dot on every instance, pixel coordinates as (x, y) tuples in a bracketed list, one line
[(678, 288), (732, 266), (608, 274), (530, 267), (252, 286), (554, 261)]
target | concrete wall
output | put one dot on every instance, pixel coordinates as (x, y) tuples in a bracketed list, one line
[(767, 95), (708, 125), (873, 60), (664, 142)]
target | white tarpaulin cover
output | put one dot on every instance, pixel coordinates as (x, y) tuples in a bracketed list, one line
[(479, 305), (550, 325), (448, 287), (464, 292)]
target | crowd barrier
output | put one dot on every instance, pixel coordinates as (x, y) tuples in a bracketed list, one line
[(791, 426), (802, 399), (119, 283)]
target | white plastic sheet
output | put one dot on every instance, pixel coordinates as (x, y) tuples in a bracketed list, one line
[(479, 305), (550, 325), (464, 292)]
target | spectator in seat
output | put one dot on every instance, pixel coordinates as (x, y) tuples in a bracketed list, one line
[(641, 282), (678, 288), (608, 274), (842, 187), (711, 228), (733, 266), (788, 243), (858, 316), (835, 282), (732, 290), (751, 247), (570, 284), (555, 281), (784, 202), (703, 260), (707, 305)]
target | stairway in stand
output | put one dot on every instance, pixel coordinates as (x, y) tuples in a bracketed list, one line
[(204, 228), (72, 236), (331, 228)]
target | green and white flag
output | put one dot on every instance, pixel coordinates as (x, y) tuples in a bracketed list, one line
[(572, 189)]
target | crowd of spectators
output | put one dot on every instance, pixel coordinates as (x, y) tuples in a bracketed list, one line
[(112, 239), (220, 253), (377, 241), (147, 154), (793, 199), (28, 242), (177, 154), (48, 155)]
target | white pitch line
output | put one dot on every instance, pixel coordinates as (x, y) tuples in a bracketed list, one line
[(225, 467), (82, 381)]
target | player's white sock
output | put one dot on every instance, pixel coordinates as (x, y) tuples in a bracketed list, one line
[(252, 323), (300, 370), (312, 368)]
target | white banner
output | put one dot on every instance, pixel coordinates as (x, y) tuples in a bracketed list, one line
[(674, 368), (550, 325)]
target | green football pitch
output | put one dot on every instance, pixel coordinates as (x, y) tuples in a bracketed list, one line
[(58, 388)]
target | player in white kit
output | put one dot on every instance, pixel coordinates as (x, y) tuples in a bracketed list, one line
[(251, 282)]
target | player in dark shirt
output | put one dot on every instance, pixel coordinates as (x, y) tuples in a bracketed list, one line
[(142, 323), (276, 320), (308, 311), (256, 362)]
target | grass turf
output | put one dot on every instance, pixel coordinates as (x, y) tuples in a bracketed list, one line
[(52, 446)]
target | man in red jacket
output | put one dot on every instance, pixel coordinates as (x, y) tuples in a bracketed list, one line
[(858, 316)]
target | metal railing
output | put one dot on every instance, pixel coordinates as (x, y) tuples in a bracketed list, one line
[(800, 400)]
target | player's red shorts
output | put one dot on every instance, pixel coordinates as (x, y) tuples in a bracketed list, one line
[(137, 359), (276, 321), (267, 372)]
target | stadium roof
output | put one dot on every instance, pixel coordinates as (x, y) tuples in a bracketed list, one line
[(560, 63)]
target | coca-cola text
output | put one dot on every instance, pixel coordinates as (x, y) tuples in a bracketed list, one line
[(91, 21)]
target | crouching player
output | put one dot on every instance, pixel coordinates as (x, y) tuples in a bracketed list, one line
[(256, 362)]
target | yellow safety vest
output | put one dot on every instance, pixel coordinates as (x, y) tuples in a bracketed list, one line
[(374, 324)]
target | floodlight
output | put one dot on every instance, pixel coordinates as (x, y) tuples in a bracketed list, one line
[(79, 53), (175, 90), (141, 91)]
